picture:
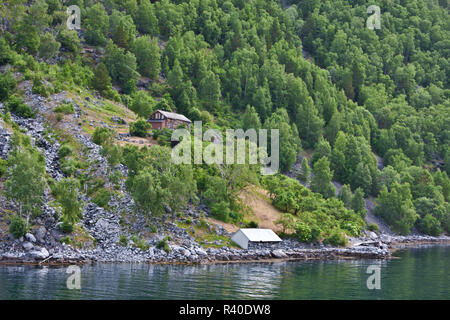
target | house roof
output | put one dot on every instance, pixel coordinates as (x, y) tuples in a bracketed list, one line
[(173, 115), (256, 235)]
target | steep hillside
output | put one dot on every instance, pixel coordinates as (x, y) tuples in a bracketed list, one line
[(363, 117)]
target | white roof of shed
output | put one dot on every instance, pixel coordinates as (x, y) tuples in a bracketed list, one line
[(257, 235)]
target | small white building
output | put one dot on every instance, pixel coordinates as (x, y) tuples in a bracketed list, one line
[(246, 237)]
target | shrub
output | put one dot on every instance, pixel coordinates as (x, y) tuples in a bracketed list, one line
[(221, 211), (18, 227), (7, 85), (69, 40), (16, 105), (396, 207), (336, 238), (115, 178), (64, 150), (142, 244), (68, 167), (66, 192), (101, 80), (65, 109), (446, 223), (40, 88), (66, 240), (165, 137), (134, 238), (7, 117), (113, 154), (139, 243), (3, 167), (315, 233), (36, 211), (102, 197), (6, 53), (206, 117), (303, 232), (252, 224), (94, 185), (351, 228), (123, 241), (48, 46), (139, 128), (430, 225), (162, 244), (373, 227), (156, 133), (101, 135), (111, 94), (236, 216), (67, 227), (142, 104), (194, 114), (130, 86), (202, 224)]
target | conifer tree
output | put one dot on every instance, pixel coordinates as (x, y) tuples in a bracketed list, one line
[(345, 195), (251, 119), (358, 204), (101, 80), (120, 36), (321, 181), (305, 171)]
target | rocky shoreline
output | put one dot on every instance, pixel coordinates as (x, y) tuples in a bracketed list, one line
[(381, 248)]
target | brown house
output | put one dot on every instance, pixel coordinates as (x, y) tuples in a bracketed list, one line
[(164, 119)]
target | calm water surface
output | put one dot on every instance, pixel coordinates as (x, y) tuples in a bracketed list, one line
[(419, 273)]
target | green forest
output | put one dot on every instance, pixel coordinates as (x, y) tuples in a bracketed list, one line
[(347, 95)]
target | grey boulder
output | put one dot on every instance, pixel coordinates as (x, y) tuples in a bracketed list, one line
[(30, 237), (39, 254), (372, 235), (27, 246), (40, 233), (279, 253)]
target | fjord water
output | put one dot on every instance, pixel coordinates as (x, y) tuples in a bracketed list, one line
[(418, 273)]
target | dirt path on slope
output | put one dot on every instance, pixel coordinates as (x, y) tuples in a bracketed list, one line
[(264, 213)]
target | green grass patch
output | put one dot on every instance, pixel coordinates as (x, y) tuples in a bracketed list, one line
[(164, 245), (79, 238), (140, 243), (201, 233), (65, 108), (213, 237)]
